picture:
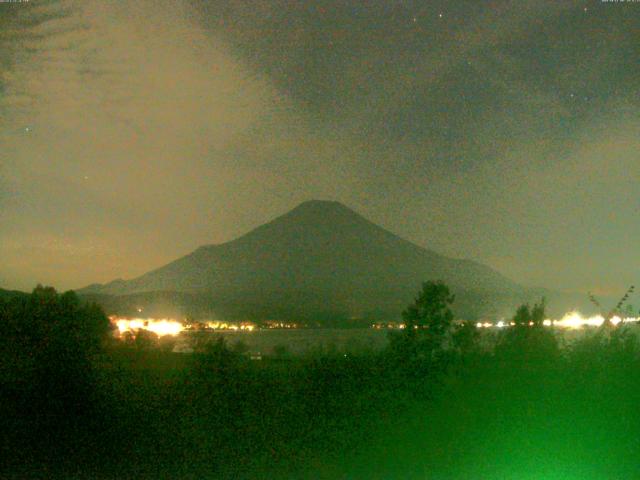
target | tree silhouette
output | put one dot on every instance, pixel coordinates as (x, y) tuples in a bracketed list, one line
[(430, 310), (465, 338), (617, 310), (522, 316), (427, 322), (528, 339), (49, 342), (146, 340), (538, 313)]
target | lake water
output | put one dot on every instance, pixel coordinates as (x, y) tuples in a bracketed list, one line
[(300, 341)]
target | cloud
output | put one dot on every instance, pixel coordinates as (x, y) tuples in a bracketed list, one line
[(110, 118), (158, 126)]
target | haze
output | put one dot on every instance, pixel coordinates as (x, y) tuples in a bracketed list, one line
[(133, 132)]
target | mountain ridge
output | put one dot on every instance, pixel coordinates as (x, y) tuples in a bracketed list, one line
[(320, 253), (312, 216)]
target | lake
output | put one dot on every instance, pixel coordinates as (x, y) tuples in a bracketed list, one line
[(303, 340)]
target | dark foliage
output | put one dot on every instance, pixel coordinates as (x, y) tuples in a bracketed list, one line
[(48, 381), (528, 341), (75, 406)]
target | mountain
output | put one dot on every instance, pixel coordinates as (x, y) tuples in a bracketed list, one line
[(321, 260), (10, 294)]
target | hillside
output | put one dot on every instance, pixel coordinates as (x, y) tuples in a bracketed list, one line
[(319, 260)]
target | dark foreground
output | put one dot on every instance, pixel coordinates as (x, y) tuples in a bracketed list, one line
[(524, 410)]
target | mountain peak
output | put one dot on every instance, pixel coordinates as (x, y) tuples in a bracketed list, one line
[(321, 256), (321, 205), (318, 214)]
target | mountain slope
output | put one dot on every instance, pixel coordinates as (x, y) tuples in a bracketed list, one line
[(10, 294), (320, 254)]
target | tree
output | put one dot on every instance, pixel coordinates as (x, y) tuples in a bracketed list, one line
[(427, 321), (528, 340), (465, 338), (430, 310), (49, 342), (530, 316), (146, 339), (215, 367), (538, 313), (522, 316), (167, 343)]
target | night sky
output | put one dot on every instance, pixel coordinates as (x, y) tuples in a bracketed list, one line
[(503, 131)]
